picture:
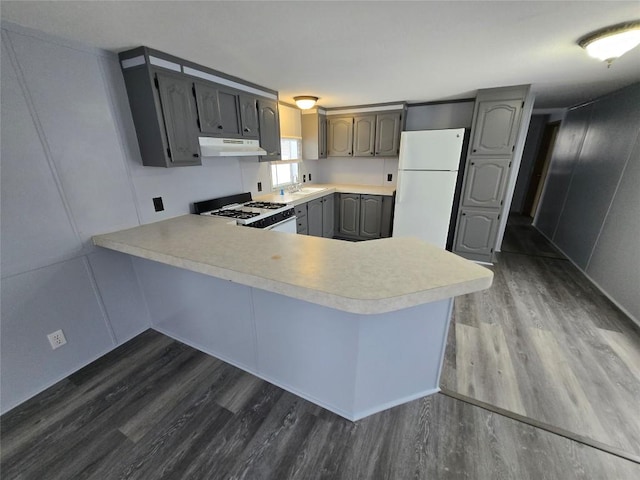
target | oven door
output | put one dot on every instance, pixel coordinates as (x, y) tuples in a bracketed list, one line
[(287, 225)]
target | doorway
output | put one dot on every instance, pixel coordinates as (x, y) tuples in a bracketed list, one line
[(540, 169)]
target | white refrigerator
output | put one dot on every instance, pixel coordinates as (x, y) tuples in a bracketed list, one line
[(427, 174)]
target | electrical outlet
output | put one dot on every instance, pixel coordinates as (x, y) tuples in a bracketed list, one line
[(56, 339), (389, 177), (259, 186), (309, 177), (304, 178), (157, 204)]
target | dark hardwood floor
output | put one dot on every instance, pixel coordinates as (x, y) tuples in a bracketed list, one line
[(157, 409), (544, 343)]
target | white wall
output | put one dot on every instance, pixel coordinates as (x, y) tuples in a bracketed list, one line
[(590, 206), (71, 169)]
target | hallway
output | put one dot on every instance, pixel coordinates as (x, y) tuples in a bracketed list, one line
[(544, 343)]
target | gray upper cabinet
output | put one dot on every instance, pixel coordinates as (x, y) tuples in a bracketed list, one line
[(314, 217), (174, 101), (496, 127), (486, 182), (340, 136), (477, 230), (370, 216), (328, 216), (349, 215), (388, 126), (364, 135), (218, 111), (249, 116), (314, 135), (179, 117), (269, 126)]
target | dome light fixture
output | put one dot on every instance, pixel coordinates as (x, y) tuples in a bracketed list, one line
[(305, 102), (609, 43)]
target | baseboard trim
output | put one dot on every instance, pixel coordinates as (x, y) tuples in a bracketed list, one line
[(618, 452)]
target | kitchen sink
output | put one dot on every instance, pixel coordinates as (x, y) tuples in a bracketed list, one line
[(309, 190)]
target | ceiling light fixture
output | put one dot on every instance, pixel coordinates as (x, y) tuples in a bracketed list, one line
[(305, 102), (609, 43)]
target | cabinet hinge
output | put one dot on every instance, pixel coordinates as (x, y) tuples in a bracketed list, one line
[(492, 250), (501, 202), (169, 152), (499, 215), (522, 104), (513, 148), (155, 82)]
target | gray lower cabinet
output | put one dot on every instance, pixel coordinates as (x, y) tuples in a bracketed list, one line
[(370, 216), (269, 127), (315, 217), (486, 182), (476, 233), (364, 135), (178, 114), (218, 111), (340, 136), (328, 216), (302, 225), (361, 216), (349, 215), (387, 216)]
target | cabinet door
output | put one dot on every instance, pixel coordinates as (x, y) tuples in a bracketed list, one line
[(217, 110), (314, 217), (322, 136), (180, 119), (486, 181), (340, 136), (387, 216), (476, 235), (249, 116), (496, 127), (349, 214), (388, 134), (328, 209), (364, 135), (269, 126), (370, 216)]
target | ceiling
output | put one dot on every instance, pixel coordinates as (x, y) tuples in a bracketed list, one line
[(354, 53)]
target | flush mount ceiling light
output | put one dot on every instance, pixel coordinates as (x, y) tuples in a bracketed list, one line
[(304, 102), (609, 43)]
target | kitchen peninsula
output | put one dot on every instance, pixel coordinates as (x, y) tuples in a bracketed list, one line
[(353, 327)]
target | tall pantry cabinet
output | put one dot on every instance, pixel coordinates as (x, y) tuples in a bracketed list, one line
[(497, 120)]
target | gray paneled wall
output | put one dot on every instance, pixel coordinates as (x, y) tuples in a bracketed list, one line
[(71, 169), (591, 203)]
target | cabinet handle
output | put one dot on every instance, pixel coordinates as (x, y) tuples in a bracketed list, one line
[(473, 163), (372, 153), (463, 214), (220, 127), (247, 130), (474, 150), (196, 155)]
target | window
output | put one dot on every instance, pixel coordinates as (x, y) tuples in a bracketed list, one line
[(285, 171)]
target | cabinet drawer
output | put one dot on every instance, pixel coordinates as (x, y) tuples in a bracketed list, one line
[(302, 225), (301, 210)]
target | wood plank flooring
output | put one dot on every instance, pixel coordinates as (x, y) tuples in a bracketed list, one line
[(157, 409), (544, 343)]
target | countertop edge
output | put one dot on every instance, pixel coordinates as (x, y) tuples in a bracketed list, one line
[(347, 304)]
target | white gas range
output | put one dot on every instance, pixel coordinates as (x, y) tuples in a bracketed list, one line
[(245, 212)]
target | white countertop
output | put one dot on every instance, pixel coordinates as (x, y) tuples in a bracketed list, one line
[(295, 199), (375, 276)]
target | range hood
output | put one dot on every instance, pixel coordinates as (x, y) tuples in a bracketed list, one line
[(229, 147)]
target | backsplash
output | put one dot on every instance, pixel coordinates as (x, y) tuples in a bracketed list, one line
[(358, 171)]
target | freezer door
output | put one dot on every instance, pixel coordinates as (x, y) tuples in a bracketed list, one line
[(423, 205), (431, 149)]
